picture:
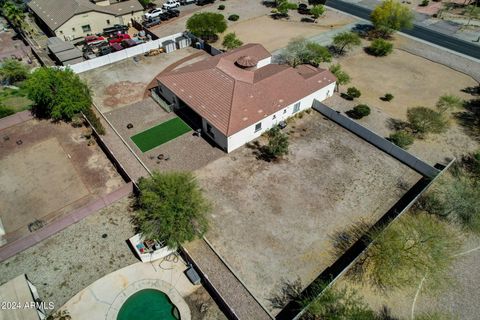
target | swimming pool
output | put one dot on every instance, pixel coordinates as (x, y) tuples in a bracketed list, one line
[(148, 304)]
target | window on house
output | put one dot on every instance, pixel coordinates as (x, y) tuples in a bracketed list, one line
[(296, 107), (209, 131), (86, 28), (258, 127), (108, 21)]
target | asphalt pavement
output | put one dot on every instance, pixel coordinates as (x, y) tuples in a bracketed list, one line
[(423, 33)]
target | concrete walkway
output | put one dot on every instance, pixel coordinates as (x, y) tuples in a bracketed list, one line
[(12, 248), (104, 298), (15, 119), (233, 292)]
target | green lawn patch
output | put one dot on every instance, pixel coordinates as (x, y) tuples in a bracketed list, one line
[(160, 134), (15, 99)]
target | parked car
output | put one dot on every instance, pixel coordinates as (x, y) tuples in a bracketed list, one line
[(92, 40), (116, 47), (128, 43), (116, 28), (118, 38), (152, 22), (164, 16), (303, 9), (185, 2), (170, 4), (204, 2), (171, 13), (104, 50), (153, 13)]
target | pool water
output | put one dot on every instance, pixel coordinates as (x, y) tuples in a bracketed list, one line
[(148, 304)]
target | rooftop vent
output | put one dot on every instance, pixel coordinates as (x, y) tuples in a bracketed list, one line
[(245, 62)]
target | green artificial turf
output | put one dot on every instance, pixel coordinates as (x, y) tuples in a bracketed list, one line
[(160, 134)]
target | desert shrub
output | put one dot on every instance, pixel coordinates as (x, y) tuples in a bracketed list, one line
[(387, 97), (353, 93), (94, 120), (380, 48), (221, 7), (471, 164), (233, 17), (424, 3), (5, 111), (277, 144), (424, 120), (230, 41), (358, 112), (402, 138)]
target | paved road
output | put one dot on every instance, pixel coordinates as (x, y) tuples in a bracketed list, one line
[(419, 32)]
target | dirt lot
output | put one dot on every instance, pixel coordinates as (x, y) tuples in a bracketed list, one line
[(272, 39), (414, 81), (125, 82), (272, 221), (49, 172), (67, 262)]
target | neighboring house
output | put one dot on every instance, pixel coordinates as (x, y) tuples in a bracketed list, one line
[(238, 95), (73, 19)]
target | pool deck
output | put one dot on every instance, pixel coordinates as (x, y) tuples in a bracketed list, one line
[(104, 298)]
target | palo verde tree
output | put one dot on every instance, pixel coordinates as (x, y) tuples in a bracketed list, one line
[(207, 25), (57, 94), (230, 41), (302, 51), (342, 77), (391, 16), (415, 246), (346, 41), (171, 208), (424, 120), (12, 71)]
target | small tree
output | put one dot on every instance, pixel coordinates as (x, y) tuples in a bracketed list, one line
[(207, 25), (56, 93), (391, 16), (231, 41), (13, 12), (449, 102), (317, 11), (171, 208), (283, 6), (401, 138), (342, 77), (353, 93), (359, 111), (387, 97), (12, 71), (407, 250), (380, 48), (346, 41), (277, 143), (300, 51), (424, 120)]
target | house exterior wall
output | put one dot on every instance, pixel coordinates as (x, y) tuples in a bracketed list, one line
[(219, 138), (72, 29), (264, 62), (248, 134), (168, 95)]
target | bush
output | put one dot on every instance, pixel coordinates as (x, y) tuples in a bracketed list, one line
[(230, 41), (277, 144), (380, 48), (233, 17), (358, 112), (221, 7), (5, 111), (12, 71), (424, 3), (94, 121), (387, 97), (302, 51), (353, 93), (401, 138), (206, 25), (424, 120)]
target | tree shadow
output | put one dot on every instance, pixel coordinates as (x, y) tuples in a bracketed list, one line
[(342, 240), (307, 20), (474, 91), (470, 118), (346, 96), (397, 124), (261, 152), (289, 291)]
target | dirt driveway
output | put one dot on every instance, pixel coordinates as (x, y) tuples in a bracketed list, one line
[(272, 221)]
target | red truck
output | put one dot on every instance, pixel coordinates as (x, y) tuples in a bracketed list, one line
[(118, 38)]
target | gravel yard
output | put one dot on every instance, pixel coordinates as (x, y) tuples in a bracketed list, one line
[(272, 222), (67, 262)]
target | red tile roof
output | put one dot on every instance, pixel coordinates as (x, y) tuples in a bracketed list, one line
[(232, 98)]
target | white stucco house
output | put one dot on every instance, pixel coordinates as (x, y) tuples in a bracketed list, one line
[(240, 94)]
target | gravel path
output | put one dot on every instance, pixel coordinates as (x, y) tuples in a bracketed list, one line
[(234, 293), (74, 258)]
